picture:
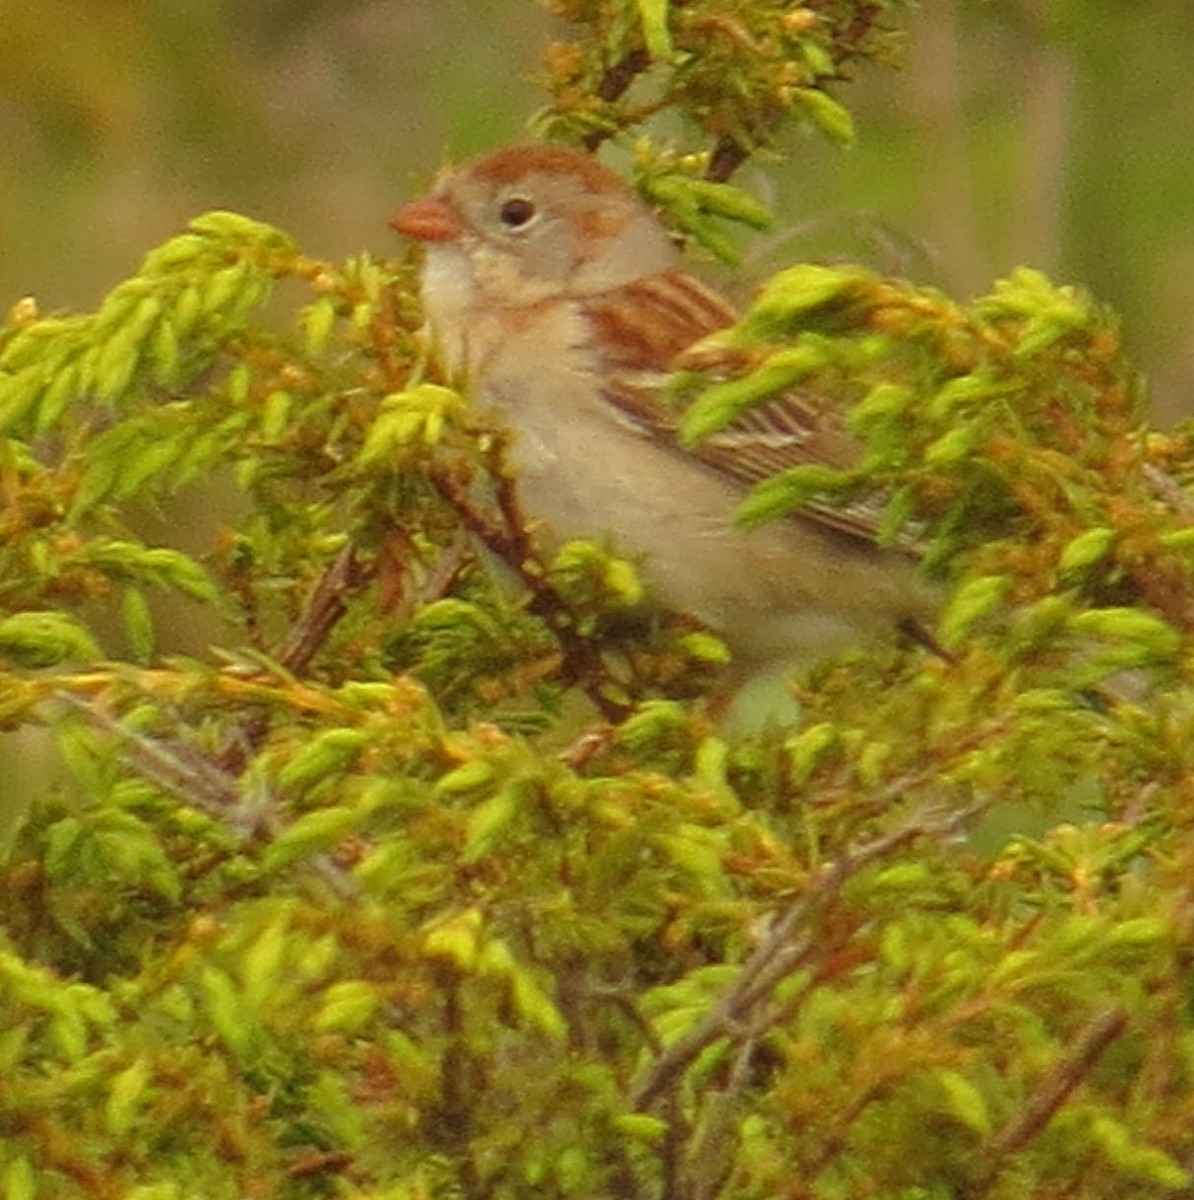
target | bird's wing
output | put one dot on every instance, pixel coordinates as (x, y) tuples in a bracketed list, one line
[(644, 327)]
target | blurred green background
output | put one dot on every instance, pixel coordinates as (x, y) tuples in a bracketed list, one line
[(1056, 133)]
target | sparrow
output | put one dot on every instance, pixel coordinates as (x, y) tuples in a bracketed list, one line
[(555, 294)]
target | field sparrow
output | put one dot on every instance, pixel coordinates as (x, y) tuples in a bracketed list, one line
[(554, 291)]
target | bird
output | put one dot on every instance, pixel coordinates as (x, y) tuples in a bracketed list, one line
[(556, 295)]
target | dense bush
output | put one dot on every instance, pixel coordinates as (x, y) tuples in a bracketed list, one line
[(434, 879)]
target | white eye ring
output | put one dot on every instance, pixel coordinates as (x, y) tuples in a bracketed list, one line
[(517, 212)]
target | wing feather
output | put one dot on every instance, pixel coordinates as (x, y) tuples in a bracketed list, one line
[(643, 328)]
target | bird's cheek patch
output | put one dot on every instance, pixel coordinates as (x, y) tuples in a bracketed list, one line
[(595, 226)]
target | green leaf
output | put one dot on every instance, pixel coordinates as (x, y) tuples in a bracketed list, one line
[(1179, 540), (224, 1009), (118, 358), (881, 403), (275, 414), (1153, 635), (416, 416), (721, 404), (954, 445), (651, 722), (330, 752), (124, 1096), (348, 1006), (18, 394), (144, 461), (20, 1180), (45, 639), (830, 117), (975, 599), (261, 967), (138, 624), (704, 647), (118, 306), (469, 777), (973, 391), (310, 834), (726, 200), (1141, 931), (187, 311), (642, 1127), (964, 1101), (1134, 1159), (803, 289), (587, 574), (157, 565), (238, 382), (222, 289), (64, 387), (773, 498), (455, 938), (654, 16), (235, 227), (177, 252), (536, 1007), (809, 747), (1086, 549), (164, 353), (696, 205), (491, 818), (318, 322)]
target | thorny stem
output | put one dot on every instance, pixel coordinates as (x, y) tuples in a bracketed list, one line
[(832, 1144), (181, 771), (213, 787), (1167, 489), (328, 603), (709, 1157), (1053, 1091), (782, 951)]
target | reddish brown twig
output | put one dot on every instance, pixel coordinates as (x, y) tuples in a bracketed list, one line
[(328, 603), (728, 155), (1054, 1089)]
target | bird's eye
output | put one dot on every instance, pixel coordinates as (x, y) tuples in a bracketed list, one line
[(516, 212)]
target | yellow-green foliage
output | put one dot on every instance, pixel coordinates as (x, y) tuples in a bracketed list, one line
[(369, 901)]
